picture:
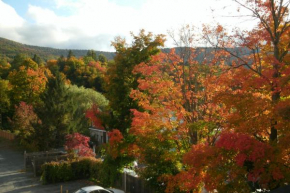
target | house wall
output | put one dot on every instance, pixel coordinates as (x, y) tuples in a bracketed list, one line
[(98, 135)]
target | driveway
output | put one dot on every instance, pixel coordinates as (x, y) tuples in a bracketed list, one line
[(13, 178)]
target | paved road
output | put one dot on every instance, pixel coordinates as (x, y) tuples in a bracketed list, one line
[(13, 179)]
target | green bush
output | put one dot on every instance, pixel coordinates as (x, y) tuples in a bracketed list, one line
[(83, 168), (111, 169)]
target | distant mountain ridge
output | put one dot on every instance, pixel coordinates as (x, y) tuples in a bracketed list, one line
[(10, 48)]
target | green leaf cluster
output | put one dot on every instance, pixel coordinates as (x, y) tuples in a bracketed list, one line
[(83, 168)]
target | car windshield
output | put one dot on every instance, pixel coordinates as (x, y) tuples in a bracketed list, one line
[(110, 190), (80, 191)]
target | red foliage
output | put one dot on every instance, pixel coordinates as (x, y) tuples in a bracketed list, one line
[(234, 156), (115, 141), (23, 118), (98, 66), (93, 114), (247, 147), (115, 136), (79, 143)]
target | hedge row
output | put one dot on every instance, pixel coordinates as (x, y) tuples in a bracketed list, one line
[(84, 168)]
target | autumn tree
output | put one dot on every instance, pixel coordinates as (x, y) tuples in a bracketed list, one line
[(273, 17), (72, 68), (5, 103), (4, 67), (177, 111), (195, 71), (78, 144), (94, 114), (86, 99), (87, 59), (82, 72), (53, 66), (28, 82), (175, 93), (22, 122), (251, 151), (120, 80)]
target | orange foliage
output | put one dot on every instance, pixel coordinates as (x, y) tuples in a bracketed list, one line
[(93, 114), (115, 143), (115, 136), (228, 115), (28, 83)]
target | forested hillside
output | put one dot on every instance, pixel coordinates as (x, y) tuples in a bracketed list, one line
[(10, 48)]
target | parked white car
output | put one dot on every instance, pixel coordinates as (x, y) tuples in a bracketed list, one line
[(98, 189)]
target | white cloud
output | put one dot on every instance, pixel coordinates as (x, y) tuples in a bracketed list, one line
[(93, 24), (10, 21), (42, 16), (9, 17)]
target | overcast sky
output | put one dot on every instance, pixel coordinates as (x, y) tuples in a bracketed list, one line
[(93, 24)]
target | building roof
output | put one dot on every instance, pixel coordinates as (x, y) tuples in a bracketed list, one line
[(96, 129)]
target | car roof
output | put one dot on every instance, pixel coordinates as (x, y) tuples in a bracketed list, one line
[(91, 188)]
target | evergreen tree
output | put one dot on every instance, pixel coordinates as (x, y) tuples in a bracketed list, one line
[(102, 58), (61, 63), (55, 114), (18, 61), (92, 53), (4, 101), (70, 54), (37, 59)]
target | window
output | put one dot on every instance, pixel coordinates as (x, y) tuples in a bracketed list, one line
[(95, 191), (104, 191)]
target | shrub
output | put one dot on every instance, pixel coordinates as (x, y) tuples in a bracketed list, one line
[(79, 143), (83, 168)]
